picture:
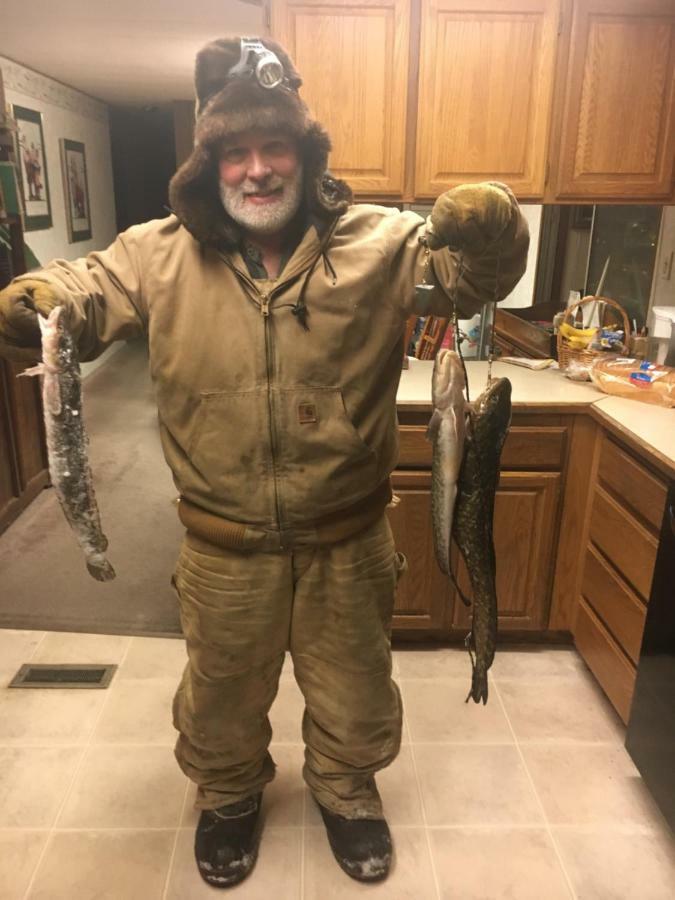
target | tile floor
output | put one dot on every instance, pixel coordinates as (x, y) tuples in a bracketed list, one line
[(532, 796)]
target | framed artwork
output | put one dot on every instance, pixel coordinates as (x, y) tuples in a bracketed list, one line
[(75, 190), (33, 165)]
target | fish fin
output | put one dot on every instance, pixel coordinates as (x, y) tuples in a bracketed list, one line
[(462, 596), (433, 426), (39, 369)]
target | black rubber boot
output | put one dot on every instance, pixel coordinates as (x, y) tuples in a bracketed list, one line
[(227, 840), (362, 847)]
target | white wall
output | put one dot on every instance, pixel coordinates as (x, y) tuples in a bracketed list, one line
[(663, 287), (67, 113), (523, 293)]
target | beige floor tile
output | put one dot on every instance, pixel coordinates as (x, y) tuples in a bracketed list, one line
[(537, 662), (286, 713), (138, 712), (606, 865), (433, 662), (104, 865), (398, 788), (19, 854), (33, 783), (16, 648), (276, 875), (283, 798), (411, 876), (287, 670), (49, 715), (125, 787), (583, 785), (475, 785), (436, 711), (71, 648), (497, 864), (569, 710), (154, 658)]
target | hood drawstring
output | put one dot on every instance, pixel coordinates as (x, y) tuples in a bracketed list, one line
[(299, 309)]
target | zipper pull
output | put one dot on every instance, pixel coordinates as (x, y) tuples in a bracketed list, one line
[(264, 305)]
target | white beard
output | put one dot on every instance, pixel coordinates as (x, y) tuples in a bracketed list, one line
[(265, 219)]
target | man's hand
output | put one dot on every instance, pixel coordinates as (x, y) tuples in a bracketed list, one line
[(20, 303), (470, 218)]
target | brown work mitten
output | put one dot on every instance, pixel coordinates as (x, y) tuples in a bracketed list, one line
[(470, 218), (20, 303)]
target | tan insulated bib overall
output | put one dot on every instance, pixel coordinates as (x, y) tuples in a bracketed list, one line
[(331, 606)]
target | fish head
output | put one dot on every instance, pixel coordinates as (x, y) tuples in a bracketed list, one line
[(495, 401), (448, 381)]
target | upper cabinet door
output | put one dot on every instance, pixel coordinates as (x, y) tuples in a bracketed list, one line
[(353, 59), (485, 93), (618, 127)]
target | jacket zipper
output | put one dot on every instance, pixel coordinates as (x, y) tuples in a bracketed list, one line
[(265, 312)]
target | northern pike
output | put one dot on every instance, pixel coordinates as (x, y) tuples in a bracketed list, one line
[(67, 441), (446, 431), (488, 425)]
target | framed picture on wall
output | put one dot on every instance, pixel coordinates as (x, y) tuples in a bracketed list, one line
[(75, 190), (33, 164)]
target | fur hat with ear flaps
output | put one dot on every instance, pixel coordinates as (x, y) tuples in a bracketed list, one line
[(230, 106)]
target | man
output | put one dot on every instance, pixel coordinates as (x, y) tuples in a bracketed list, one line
[(275, 312)]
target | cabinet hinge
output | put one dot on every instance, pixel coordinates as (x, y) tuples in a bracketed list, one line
[(548, 172), (267, 16), (560, 19)]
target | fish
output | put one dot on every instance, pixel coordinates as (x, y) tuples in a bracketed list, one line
[(446, 431), (488, 423), (67, 441)]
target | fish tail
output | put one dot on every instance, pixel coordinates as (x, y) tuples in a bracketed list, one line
[(99, 567), (479, 687), (39, 369)]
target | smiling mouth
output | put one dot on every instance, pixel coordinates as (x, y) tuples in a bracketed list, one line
[(264, 195)]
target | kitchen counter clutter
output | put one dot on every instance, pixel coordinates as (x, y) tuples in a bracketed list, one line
[(650, 428), (582, 495)]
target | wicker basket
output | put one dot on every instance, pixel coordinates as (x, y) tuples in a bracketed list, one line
[(566, 353)]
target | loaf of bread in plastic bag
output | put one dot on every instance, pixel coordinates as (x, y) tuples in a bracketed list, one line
[(635, 379)]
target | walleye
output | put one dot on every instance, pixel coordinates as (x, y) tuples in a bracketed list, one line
[(488, 425), (67, 441), (446, 431)]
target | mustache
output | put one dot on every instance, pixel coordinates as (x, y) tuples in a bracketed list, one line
[(255, 187)]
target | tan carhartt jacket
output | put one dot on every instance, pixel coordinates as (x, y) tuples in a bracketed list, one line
[(261, 421)]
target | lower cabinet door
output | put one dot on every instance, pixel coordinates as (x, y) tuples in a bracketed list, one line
[(424, 594), (525, 527)]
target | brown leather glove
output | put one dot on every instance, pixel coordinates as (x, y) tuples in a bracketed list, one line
[(20, 303), (470, 218)]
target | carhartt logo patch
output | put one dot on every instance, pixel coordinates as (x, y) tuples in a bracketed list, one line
[(306, 413)]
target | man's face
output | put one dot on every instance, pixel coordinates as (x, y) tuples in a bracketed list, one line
[(260, 180)]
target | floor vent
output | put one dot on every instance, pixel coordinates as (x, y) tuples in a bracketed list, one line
[(63, 676)]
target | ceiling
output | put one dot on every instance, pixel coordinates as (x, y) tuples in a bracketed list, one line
[(121, 51)]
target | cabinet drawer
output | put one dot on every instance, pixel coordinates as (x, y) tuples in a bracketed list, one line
[(624, 541), (637, 488), (614, 602), (605, 659), (530, 448)]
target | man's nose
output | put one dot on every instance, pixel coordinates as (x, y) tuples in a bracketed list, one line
[(258, 167)]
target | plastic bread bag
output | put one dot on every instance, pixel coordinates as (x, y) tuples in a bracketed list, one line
[(578, 371), (636, 379)]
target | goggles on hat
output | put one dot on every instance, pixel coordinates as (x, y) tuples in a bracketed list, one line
[(257, 61)]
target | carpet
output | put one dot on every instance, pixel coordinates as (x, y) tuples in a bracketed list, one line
[(44, 584)]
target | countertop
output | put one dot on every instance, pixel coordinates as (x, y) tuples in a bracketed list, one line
[(649, 428)]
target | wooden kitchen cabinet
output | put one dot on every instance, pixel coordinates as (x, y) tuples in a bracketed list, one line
[(353, 58), (625, 509), (486, 76), (526, 520), (525, 526), (424, 595), (615, 134)]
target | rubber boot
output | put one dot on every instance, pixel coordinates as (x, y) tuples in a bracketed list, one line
[(362, 847), (227, 840)]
